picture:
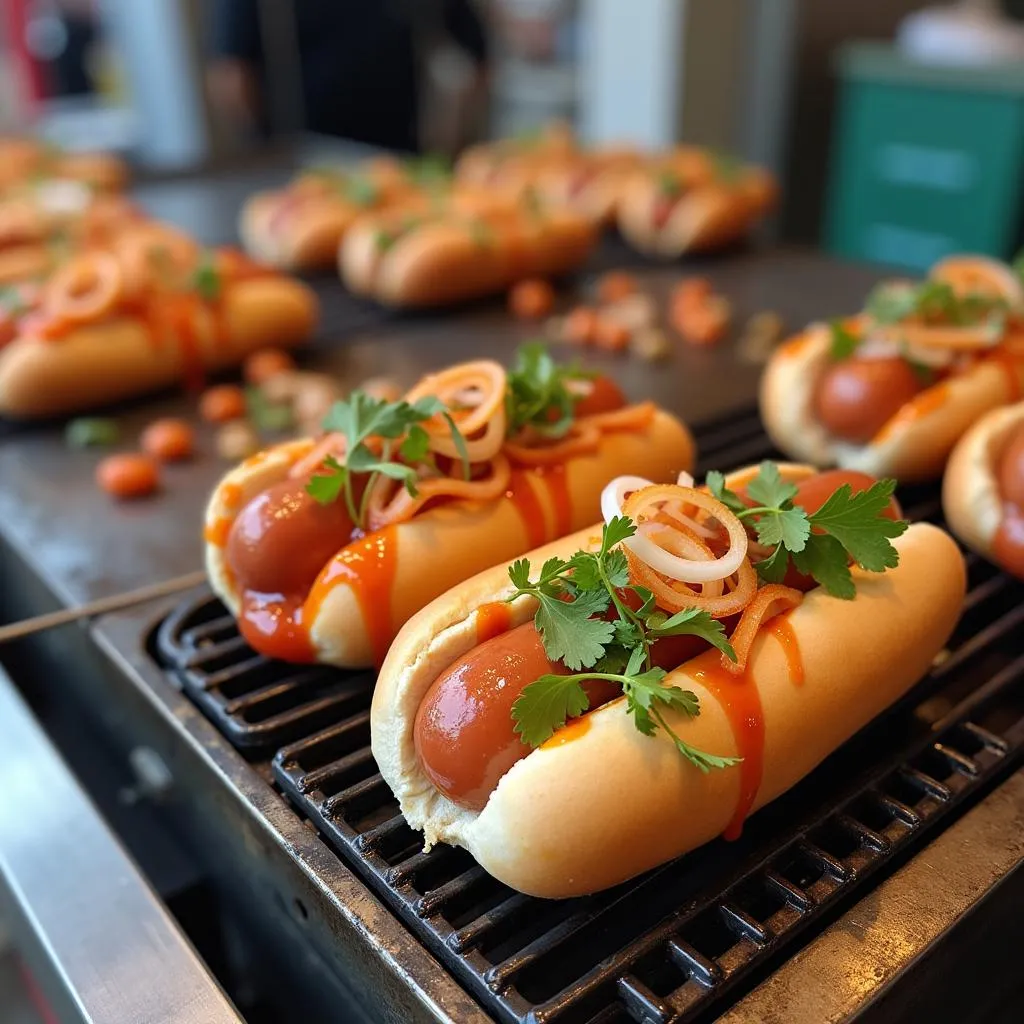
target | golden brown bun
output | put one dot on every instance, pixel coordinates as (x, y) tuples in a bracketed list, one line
[(447, 544), (710, 215), (445, 260), (24, 262), (970, 489), (120, 358), (307, 241), (579, 816), (911, 447)]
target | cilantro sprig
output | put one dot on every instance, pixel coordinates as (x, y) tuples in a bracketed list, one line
[(205, 278), (932, 301), (538, 394), (819, 544), (574, 598), (398, 426)]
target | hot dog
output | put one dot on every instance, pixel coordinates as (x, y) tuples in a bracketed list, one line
[(691, 201), (591, 182), (891, 391), (510, 166), (329, 574), (152, 311), (300, 226), (22, 159), (983, 488), (557, 783), (467, 246)]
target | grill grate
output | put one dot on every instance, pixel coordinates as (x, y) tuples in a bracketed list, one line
[(687, 939)]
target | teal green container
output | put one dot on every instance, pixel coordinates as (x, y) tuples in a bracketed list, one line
[(927, 160)]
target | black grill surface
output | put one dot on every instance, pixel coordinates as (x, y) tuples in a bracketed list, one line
[(684, 941)]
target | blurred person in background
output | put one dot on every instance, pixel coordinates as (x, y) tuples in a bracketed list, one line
[(360, 63)]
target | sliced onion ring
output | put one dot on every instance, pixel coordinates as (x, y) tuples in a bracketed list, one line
[(686, 570)]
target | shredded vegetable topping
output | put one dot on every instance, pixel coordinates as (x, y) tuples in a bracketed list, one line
[(455, 436), (675, 559)]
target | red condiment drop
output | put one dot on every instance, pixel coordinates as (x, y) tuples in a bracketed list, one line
[(741, 702)]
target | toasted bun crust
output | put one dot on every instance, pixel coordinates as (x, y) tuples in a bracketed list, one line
[(445, 545), (441, 262), (119, 358), (914, 445), (609, 803), (970, 489), (308, 241), (709, 216), (23, 262)]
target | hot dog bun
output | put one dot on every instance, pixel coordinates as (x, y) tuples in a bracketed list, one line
[(307, 242), (913, 445), (970, 489), (709, 215), (586, 813), (446, 544), (122, 357), (453, 257)]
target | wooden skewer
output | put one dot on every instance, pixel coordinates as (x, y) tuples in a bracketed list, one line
[(101, 606)]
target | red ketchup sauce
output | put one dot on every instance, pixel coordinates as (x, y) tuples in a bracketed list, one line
[(1008, 544)]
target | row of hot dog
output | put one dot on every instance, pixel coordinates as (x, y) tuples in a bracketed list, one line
[(410, 236), (669, 655)]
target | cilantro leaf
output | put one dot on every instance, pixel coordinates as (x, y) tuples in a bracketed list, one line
[(890, 302), (586, 570), (519, 574), (569, 632), (647, 598), (824, 558), (206, 277), (416, 444), (325, 487), (694, 622), (669, 184), (844, 343), (856, 521), (773, 568), (616, 568), (361, 190), (768, 487), (615, 532), (730, 499), (544, 706), (788, 527), (538, 395)]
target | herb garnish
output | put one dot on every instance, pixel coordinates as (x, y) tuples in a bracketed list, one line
[(538, 395), (205, 278), (360, 190), (931, 301), (851, 526), (573, 597), (398, 425), (669, 184), (12, 302), (844, 342)]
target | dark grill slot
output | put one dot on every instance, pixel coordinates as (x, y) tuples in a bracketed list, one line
[(687, 939)]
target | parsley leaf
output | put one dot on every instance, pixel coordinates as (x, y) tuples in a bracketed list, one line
[(768, 487), (206, 277), (326, 487), (569, 632), (844, 342), (824, 558), (544, 706), (856, 521), (361, 190), (538, 395), (716, 485), (669, 184), (619, 529), (694, 622)]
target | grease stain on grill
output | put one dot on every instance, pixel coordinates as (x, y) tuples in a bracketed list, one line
[(685, 941)]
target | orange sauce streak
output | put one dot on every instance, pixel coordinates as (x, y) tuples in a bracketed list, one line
[(216, 533), (917, 408), (274, 625), (367, 566), (558, 488), (783, 632), (492, 619), (1008, 543), (572, 730), (741, 703), (524, 497)]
